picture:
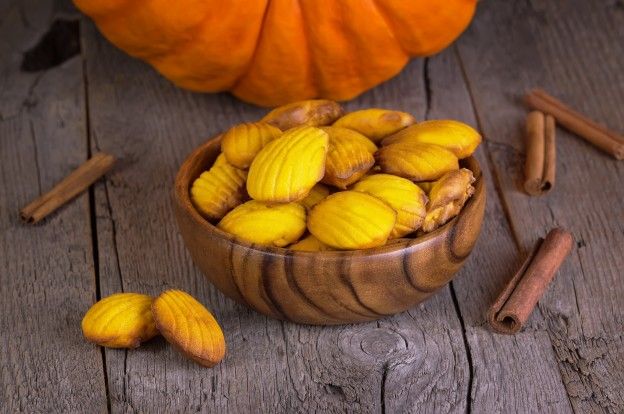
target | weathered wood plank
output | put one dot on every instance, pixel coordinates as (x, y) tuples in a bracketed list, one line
[(416, 359), (500, 363), (46, 271), (574, 50)]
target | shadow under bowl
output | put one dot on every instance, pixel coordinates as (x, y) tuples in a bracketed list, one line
[(325, 288)]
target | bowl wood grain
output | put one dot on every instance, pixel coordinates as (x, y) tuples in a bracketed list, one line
[(325, 288)]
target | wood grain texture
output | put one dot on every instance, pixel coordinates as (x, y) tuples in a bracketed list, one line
[(508, 374), (554, 41), (46, 271)]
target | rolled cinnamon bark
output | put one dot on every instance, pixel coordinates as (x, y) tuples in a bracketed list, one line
[(594, 133), (69, 187), (539, 167), (512, 308)]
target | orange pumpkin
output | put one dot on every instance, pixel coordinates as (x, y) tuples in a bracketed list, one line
[(270, 52)]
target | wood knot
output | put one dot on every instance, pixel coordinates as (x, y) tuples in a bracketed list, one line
[(381, 342)]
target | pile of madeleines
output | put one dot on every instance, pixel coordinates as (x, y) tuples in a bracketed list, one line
[(309, 177)]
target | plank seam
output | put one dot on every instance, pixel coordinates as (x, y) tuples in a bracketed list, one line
[(113, 233), (93, 218), (466, 347), (427, 84), (35, 153), (488, 154), (497, 185), (382, 396)]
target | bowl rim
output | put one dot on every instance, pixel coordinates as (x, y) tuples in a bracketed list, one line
[(181, 195)]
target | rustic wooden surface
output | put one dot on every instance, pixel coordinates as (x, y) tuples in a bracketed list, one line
[(437, 357)]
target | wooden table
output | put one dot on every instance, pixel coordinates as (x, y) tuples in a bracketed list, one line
[(437, 357)]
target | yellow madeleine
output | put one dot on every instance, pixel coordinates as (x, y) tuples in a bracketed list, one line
[(316, 194), (241, 143), (345, 134), (187, 324), (416, 161), (313, 112), (405, 197), (426, 186), (267, 224), (218, 190), (221, 160), (447, 197), (457, 137), (349, 157), (351, 220), (310, 244), (288, 167), (122, 320), (376, 123)]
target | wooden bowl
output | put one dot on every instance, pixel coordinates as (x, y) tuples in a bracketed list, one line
[(325, 288)]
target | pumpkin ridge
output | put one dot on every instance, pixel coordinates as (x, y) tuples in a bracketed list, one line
[(180, 45), (264, 53), (391, 29), (252, 59), (313, 75), (175, 46)]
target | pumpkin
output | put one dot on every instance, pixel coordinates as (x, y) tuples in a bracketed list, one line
[(270, 52)]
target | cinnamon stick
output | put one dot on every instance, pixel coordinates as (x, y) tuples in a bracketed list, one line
[(515, 303), (72, 185), (596, 134), (539, 167)]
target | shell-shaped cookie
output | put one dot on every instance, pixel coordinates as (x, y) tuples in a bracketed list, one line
[(218, 190), (316, 194), (405, 197), (288, 167), (349, 157), (416, 161), (376, 123), (447, 197), (122, 320), (352, 220), (267, 224), (345, 134), (459, 138), (310, 244), (221, 160), (189, 326), (242, 142), (426, 186), (314, 112)]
